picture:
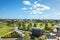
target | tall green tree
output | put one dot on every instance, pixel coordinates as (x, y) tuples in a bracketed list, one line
[(29, 26), (34, 24), (24, 26), (26, 37)]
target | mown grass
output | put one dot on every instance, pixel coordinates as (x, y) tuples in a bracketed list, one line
[(5, 30)]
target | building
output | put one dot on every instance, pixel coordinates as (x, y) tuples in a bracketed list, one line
[(36, 32)]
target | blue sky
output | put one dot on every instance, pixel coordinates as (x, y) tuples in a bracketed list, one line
[(30, 9)]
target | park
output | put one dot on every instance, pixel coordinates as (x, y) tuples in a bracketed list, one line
[(29, 30)]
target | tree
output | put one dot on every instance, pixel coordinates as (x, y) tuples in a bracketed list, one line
[(41, 24), (46, 26), (52, 24), (36, 38), (19, 24), (43, 37), (29, 27), (26, 37), (24, 26), (34, 24)]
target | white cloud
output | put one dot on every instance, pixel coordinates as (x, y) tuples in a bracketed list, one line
[(26, 2), (36, 12), (41, 7), (55, 15), (45, 7), (35, 2), (33, 12), (36, 7), (24, 8)]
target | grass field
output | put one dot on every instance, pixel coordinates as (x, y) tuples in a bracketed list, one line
[(4, 29)]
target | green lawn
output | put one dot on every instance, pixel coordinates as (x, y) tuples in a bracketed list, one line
[(5, 30)]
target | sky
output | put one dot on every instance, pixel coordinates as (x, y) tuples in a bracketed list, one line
[(29, 9)]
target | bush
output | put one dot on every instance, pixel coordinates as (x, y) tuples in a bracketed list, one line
[(43, 37), (11, 35), (27, 36), (36, 39)]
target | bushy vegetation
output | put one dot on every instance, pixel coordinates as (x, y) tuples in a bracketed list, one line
[(6, 27), (27, 37), (11, 35)]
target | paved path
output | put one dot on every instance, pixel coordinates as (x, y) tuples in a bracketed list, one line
[(12, 39)]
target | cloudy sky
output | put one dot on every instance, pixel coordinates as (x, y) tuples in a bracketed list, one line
[(30, 9)]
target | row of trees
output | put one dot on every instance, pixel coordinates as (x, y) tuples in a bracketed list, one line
[(27, 25)]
